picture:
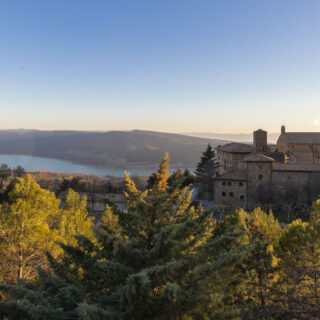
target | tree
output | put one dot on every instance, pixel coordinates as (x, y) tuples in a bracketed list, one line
[(25, 233), (73, 219), (32, 223), (298, 290), (205, 172), (180, 179), (19, 171), (5, 173), (147, 263), (245, 265)]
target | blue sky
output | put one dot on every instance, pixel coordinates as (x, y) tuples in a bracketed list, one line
[(179, 65)]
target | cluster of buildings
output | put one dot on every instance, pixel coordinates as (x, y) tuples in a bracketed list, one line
[(263, 174)]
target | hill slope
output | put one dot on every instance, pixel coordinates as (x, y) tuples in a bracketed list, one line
[(114, 148)]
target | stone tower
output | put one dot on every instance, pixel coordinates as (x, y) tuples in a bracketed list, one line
[(260, 141), (259, 179)]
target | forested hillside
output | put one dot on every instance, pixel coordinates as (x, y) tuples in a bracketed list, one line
[(163, 257), (114, 148)]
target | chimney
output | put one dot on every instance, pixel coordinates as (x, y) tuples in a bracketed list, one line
[(283, 129)]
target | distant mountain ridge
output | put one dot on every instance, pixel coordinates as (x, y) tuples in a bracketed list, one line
[(235, 137), (122, 149)]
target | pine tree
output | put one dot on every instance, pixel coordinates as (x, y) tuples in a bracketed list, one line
[(205, 172), (162, 176), (298, 291), (147, 263), (245, 265)]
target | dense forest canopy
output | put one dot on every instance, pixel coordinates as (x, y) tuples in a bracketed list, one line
[(162, 257)]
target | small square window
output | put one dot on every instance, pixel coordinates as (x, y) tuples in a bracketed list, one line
[(260, 177), (241, 184), (223, 194), (229, 183), (223, 183), (242, 197), (231, 194)]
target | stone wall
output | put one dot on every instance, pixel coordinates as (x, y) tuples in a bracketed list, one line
[(259, 183), (230, 161), (296, 187), (304, 153), (231, 193)]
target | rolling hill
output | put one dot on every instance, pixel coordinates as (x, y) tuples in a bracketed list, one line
[(109, 149)]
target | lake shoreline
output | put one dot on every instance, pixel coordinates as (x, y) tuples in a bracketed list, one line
[(34, 164)]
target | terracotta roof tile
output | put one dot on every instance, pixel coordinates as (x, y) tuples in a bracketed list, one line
[(303, 137), (236, 148)]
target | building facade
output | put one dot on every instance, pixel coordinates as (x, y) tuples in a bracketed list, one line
[(300, 147), (263, 177)]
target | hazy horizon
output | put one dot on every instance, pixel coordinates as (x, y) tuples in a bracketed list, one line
[(171, 66), (245, 137)]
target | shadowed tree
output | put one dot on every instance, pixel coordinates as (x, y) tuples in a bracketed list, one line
[(205, 172)]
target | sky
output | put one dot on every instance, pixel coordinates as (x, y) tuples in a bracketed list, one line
[(169, 65)]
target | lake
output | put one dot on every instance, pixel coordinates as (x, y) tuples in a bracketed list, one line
[(30, 163)]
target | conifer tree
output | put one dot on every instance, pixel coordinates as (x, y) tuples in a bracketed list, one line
[(298, 290), (147, 263), (205, 172), (245, 265), (162, 176)]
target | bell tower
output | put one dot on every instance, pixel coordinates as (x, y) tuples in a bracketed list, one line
[(260, 141)]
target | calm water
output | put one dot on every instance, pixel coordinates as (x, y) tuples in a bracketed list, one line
[(30, 163)]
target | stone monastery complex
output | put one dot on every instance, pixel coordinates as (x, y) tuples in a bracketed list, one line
[(260, 174)]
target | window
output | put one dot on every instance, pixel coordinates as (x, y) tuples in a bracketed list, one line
[(223, 194), (229, 183), (241, 184), (231, 194), (260, 177), (242, 197), (223, 183)]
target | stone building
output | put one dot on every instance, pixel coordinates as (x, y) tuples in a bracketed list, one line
[(262, 177), (230, 156), (300, 147)]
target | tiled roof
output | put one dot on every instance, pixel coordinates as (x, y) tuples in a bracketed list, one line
[(303, 137), (236, 148)]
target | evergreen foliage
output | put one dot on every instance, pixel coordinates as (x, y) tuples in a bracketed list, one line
[(31, 224), (205, 172), (146, 263), (161, 258)]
